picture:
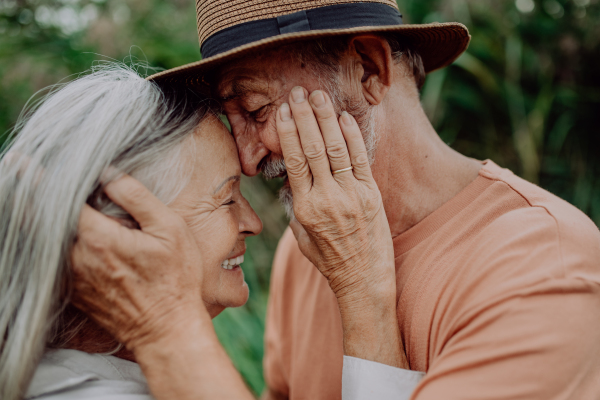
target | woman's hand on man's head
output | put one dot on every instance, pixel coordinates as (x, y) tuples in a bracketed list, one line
[(143, 286), (137, 284)]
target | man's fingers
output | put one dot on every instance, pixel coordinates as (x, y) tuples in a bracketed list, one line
[(356, 147), (337, 150), (311, 138), (138, 201), (296, 165)]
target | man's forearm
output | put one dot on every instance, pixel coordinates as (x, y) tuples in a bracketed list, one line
[(370, 325), (190, 364)]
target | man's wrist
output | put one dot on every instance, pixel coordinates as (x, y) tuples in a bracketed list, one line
[(370, 292), (370, 323)]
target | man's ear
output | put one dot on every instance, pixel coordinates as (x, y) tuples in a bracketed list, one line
[(375, 58)]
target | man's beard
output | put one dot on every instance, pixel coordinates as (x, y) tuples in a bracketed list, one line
[(364, 114)]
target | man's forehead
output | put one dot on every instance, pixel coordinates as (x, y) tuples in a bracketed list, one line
[(234, 87), (246, 76)]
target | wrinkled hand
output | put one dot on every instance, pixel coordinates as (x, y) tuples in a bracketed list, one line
[(340, 224), (137, 284)]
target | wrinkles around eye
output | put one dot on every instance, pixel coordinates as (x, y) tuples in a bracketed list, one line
[(260, 114)]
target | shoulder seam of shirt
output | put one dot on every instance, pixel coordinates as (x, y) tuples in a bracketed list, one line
[(103, 358), (560, 249)]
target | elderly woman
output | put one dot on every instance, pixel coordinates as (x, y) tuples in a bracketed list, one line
[(110, 153), (59, 161)]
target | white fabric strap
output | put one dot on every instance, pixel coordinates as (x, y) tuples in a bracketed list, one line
[(368, 380)]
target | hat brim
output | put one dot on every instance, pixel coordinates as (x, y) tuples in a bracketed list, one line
[(438, 44)]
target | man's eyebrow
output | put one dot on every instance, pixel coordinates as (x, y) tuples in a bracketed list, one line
[(240, 88), (231, 178)]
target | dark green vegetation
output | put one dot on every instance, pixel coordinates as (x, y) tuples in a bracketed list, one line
[(526, 95)]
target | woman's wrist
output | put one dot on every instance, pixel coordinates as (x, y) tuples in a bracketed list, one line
[(171, 331), (189, 363)]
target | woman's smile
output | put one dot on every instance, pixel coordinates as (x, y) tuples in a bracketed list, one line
[(218, 215), (233, 263)]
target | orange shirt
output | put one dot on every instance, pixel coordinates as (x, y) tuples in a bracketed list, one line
[(498, 298)]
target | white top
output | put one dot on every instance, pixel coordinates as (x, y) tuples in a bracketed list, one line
[(368, 380), (75, 375)]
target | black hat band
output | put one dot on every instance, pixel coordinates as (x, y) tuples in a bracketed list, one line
[(341, 16)]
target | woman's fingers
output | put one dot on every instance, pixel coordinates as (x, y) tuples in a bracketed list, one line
[(337, 150), (356, 147), (311, 138), (298, 171)]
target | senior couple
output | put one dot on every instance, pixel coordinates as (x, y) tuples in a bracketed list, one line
[(409, 271)]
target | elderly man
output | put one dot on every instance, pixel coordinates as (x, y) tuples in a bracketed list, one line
[(497, 281)]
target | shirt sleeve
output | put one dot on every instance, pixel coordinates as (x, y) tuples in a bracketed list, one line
[(367, 380)]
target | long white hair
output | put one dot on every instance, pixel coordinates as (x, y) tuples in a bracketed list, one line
[(50, 169)]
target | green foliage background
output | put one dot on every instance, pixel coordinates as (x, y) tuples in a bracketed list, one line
[(526, 94)]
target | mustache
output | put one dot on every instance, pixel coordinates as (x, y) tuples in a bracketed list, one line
[(273, 168)]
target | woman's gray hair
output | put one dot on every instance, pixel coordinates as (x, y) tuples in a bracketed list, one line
[(51, 168)]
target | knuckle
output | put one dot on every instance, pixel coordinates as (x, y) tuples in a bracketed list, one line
[(295, 164), (337, 151), (303, 112), (314, 150), (326, 113), (176, 228), (287, 128), (97, 244), (136, 194), (361, 159)]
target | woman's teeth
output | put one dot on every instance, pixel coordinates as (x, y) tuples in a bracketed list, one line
[(232, 262)]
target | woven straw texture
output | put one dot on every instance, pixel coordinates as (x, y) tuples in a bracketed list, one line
[(216, 15), (438, 44)]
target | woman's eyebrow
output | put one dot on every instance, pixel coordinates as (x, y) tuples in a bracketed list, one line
[(231, 178)]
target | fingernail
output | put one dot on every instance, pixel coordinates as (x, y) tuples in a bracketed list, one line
[(286, 115), (346, 118), (298, 94), (317, 99)]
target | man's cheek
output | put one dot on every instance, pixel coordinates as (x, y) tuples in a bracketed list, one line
[(269, 135)]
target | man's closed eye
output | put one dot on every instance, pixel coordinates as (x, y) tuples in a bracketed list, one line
[(260, 115)]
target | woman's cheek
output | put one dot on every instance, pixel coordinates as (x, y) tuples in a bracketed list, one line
[(221, 234)]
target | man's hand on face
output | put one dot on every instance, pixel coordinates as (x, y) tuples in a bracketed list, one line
[(340, 222)]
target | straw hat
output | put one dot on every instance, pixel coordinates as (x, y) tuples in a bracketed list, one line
[(228, 29)]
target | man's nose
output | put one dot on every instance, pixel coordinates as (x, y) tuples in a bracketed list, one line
[(254, 147), (251, 151)]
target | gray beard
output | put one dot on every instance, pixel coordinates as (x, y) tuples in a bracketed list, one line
[(365, 117)]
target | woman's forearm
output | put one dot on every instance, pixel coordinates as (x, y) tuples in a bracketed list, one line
[(189, 363)]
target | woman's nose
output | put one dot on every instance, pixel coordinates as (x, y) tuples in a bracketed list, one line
[(250, 223)]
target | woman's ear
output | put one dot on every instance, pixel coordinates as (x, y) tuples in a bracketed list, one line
[(375, 58)]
